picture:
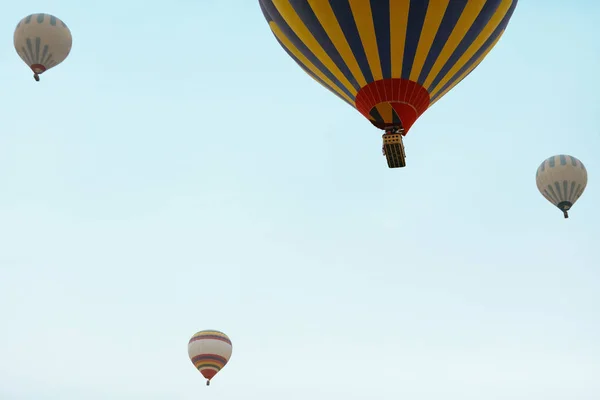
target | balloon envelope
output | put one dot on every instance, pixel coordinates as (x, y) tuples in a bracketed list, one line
[(209, 351), (561, 179), (390, 59), (42, 41)]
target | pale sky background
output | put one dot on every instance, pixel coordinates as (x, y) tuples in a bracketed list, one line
[(180, 172)]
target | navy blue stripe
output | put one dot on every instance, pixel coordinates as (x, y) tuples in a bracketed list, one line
[(264, 11), (380, 10), (478, 54), (343, 13), (396, 119), (375, 114), (449, 21), (291, 36), (416, 19), (306, 13), (478, 26), (310, 73)]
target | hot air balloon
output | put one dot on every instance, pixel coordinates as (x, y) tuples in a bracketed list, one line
[(561, 180), (389, 59), (42, 41), (209, 351)]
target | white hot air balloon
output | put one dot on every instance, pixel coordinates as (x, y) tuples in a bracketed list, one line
[(209, 351), (561, 179), (42, 41)]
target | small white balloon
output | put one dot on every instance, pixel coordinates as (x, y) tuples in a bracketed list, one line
[(561, 179), (42, 41), (209, 351)]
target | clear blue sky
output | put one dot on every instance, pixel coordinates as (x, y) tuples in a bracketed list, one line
[(179, 172)]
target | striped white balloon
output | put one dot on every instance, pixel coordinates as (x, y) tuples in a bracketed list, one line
[(209, 351), (42, 41), (561, 179)]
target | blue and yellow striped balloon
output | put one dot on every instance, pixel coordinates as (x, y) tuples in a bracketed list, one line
[(390, 59)]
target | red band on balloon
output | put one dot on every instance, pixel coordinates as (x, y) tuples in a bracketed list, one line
[(37, 68), (408, 99), (208, 373)]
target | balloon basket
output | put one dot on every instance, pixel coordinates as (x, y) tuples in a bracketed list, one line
[(393, 148)]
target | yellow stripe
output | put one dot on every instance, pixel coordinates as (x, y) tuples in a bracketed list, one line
[(205, 363), (306, 62), (361, 10), (468, 16), (295, 23), (398, 24), (476, 45), (433, 19), (329, 22), (202, 368), (386, 111), (471, 68)]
